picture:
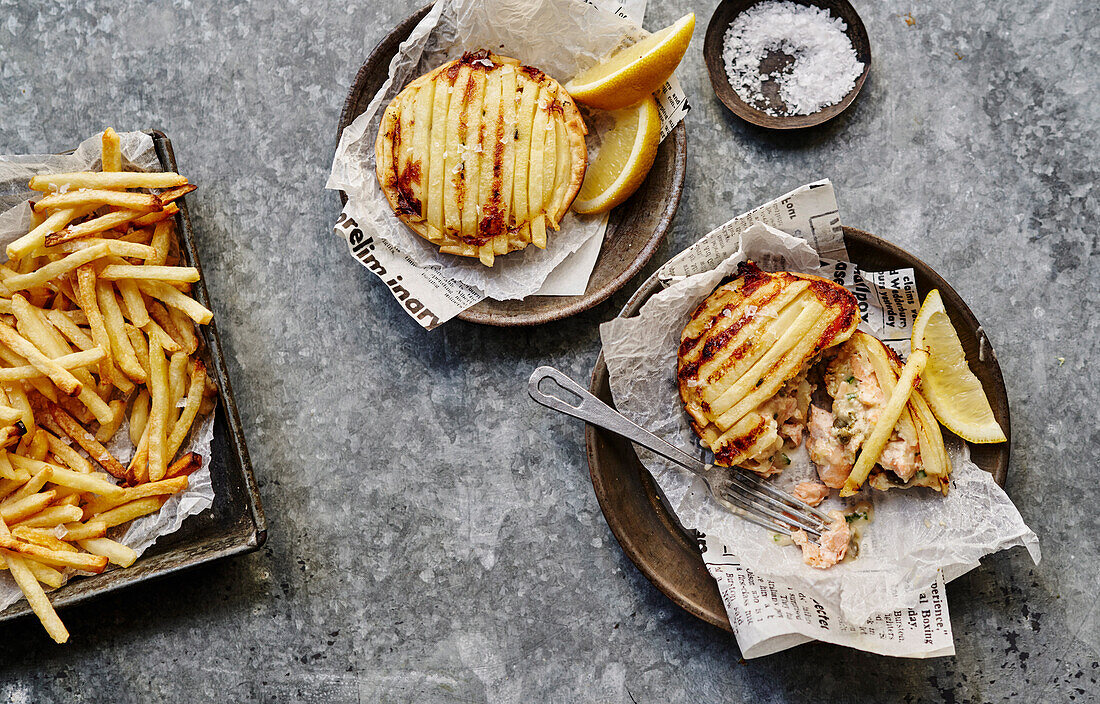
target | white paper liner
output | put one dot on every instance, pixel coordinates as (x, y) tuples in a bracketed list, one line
[(915, 533), (561, 37), (138, 154)]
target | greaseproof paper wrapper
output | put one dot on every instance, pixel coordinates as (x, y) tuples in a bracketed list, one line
[(562, 37), (138, 154), (768, 616), (916, 538)]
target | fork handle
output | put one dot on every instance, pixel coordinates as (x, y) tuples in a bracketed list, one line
[(594, 411)]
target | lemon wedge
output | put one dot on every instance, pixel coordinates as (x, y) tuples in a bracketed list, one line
[(951, 389), (636, 71), (624, 159)]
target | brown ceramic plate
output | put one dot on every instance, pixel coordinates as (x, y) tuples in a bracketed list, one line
[(235, 523), (635, 229), (720, 21), (652, 537)]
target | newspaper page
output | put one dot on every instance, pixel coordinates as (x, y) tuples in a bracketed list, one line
[(768, 616), (809, 212), (890, 599), (433, 293)]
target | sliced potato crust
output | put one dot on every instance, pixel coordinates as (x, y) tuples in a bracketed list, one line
[(480, 155), (747, 344)]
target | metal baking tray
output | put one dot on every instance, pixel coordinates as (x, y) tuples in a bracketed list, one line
[(235, 523)]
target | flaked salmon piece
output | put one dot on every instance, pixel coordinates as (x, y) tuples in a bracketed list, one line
[(831, 548), (831, 456), (812, 493)]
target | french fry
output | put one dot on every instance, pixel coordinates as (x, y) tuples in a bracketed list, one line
[(93, 447), (113, 322), (61, 377), (185, 330), (181, 274), (163, 326), (94, 528), (92, 227), (36, 238), (190, 409), (187, 464), (138, 469), (134, 302), (7, 471), (110, 151), (65, 325), (884, 426), (117, 180), (173, 298), (18, 399), (164, 487), (65, 453), (88, 300), (177, 381), (98, 197), (47, 575), (75, 360), (156, 216), (160, 396), (51, 517), (55, 269), (56, 558), (107, 430), (9, 415), (125, 513), (93, 483), (140, 346), (117, 248), (36, 482), (27, 506), (36, 597), (117, 553), (139, 416), (41, 537), (38, 447), (9, 486)]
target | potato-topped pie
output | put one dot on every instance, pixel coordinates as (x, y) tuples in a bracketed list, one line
[(481, 154)]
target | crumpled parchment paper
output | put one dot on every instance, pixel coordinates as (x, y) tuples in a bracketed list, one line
[(914, 533), (138, 154)]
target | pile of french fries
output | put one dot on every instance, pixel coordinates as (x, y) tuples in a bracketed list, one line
[(96, 325)]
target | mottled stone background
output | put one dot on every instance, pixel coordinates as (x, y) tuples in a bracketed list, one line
[(434, 536)]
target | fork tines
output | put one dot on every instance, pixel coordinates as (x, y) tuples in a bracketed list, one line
[(764, 505)]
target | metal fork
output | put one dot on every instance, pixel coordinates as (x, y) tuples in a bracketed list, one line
[(738, 491)]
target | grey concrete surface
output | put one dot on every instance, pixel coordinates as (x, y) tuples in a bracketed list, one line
[(434, 536)]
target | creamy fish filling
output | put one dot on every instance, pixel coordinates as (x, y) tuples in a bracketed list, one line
[(835, 437)]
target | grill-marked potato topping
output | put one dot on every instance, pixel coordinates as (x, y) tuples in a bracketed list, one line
[(480, 155), (743, 358)]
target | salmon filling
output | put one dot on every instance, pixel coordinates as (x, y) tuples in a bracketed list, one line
[(836, 436)]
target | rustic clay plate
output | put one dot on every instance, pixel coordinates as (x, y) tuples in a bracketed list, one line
[(720, 21), (648, 532), (635, 229)]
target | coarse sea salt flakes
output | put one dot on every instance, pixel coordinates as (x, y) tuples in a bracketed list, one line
[(824, 67)]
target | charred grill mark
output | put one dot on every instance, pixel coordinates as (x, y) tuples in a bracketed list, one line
[(459, 179), (839, 299), (740, 444), (555, 108), (407, 203), (688, 371), (492, 223), (533, 73), (477, 60)]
